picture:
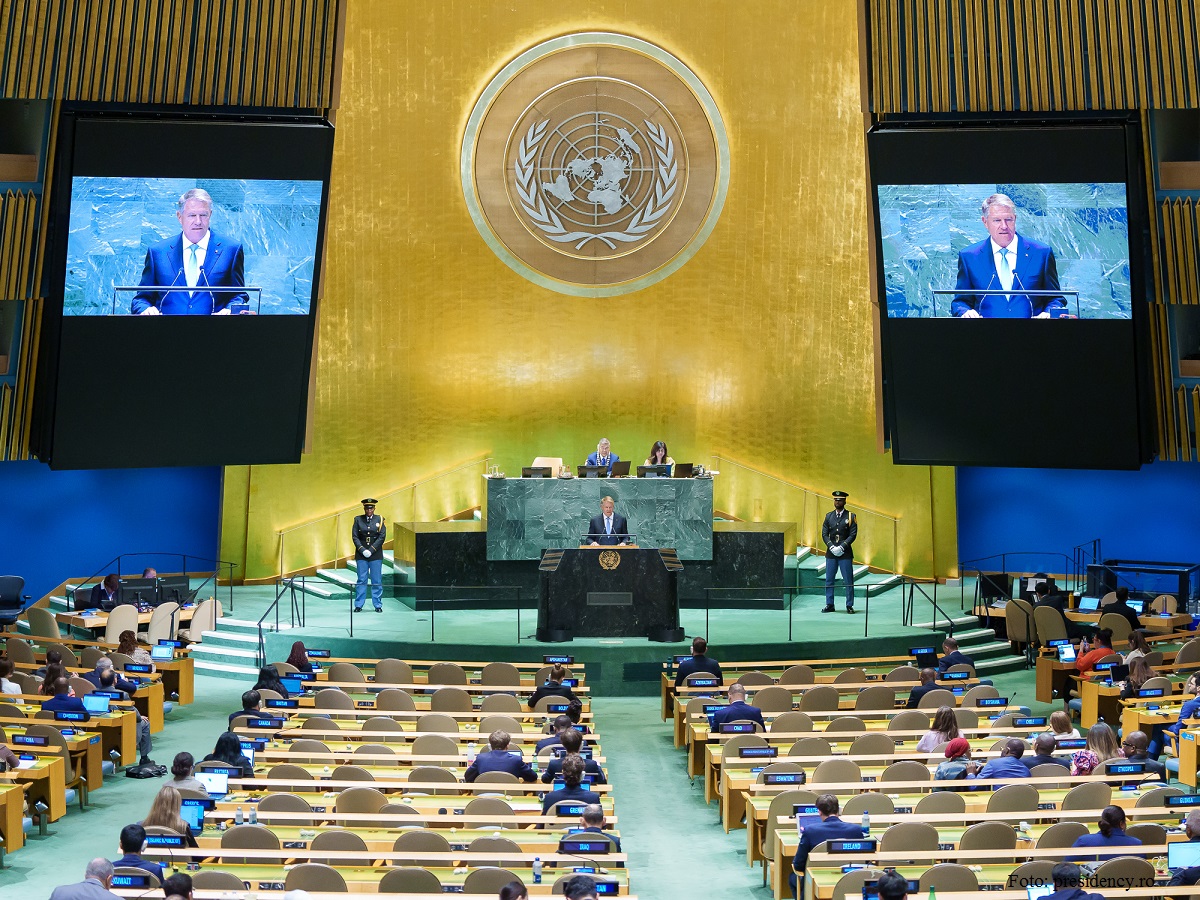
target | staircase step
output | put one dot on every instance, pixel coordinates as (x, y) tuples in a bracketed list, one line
[(999, 664), (210, 652), (875, 588), (225, 670), (968, 635), (859, 571), (343, 577), (941, 622), (319, 587), (990, 649)]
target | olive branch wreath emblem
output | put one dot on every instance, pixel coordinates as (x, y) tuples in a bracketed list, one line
[(549, 222)]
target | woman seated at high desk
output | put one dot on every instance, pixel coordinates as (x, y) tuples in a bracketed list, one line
[(659, 456)]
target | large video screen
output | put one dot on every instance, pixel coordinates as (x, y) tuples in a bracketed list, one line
[(191, 246), (182, 284), (1040, 224), (1006, 251)]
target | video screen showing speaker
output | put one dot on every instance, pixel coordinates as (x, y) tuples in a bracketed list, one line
[(191, 246), (1043, 226), (182, 279)]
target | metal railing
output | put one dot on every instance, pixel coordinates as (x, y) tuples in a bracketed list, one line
[(753, 495), (790, 596), (118, 563), (326, 540)]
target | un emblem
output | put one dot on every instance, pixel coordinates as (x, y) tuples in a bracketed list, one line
[(609, 560), (595, 164)]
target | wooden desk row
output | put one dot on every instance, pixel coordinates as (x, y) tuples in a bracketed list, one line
[(776, 667), (178, 674)]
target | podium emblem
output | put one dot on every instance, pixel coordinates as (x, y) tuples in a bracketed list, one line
[(609, 560), (595, 164)]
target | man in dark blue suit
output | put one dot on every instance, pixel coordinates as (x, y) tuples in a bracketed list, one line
[(608, 528), (194, 260), (572, 772), (592, 821), (572, 743), (830, 828), (1006, 261), (498, 759), (699, 664), (603, 456), (737, 709), (62, 701)]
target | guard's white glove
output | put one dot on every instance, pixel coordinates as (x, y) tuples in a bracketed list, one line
[(837, 550), (367, 554)]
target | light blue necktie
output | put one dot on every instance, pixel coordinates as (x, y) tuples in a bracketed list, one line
[(1005, 270), (193, 266)]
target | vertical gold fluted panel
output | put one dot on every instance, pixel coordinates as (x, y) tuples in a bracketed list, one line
[(992, 55), (219, 52), (433, 352)]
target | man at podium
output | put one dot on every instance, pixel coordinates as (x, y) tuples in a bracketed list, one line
[(608, 528), (196, 259), (1006, 261)]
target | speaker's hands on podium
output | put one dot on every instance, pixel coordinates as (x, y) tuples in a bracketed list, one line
[(971, 314), (150, 311)]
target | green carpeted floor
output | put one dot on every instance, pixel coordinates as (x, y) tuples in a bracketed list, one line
[(676, 844)]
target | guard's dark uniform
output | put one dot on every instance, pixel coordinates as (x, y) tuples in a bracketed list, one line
[(839, 530), (369, 533)]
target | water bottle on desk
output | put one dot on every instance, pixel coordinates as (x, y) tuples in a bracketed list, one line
[(237, 816), (537, 870), (866, 823)]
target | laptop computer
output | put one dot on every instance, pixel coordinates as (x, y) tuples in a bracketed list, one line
[(1089, 604), (292, 685), (535, 471), (162, 654), (216, 783), (192, 809), (1066, 653), (653, 471), (1183, 854), (591, 471), (97, 706), (682, 470), (1138, 606), (619, 469)]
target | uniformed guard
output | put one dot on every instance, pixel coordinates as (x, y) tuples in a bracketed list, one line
[(838, 532), (369, 534)]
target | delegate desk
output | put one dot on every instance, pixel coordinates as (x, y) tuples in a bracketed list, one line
[(528, 516), (901, 689), (876, 666), (178, 674), (609, 592), (787, 838), (117, 727), (45, 780), (12, 805), (93, 620), (991, 867)]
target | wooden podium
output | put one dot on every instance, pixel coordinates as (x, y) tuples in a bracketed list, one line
[(610, 591)]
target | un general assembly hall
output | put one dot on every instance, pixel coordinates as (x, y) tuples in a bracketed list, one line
[(525, 449)]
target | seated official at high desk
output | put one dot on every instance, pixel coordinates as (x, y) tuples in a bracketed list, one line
[(659, 455), (603, 456)]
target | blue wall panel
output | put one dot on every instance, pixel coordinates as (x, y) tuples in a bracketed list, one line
[(1151, 514), (58, 525)]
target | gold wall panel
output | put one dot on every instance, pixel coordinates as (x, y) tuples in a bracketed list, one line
[(432, 352), (991, 55), (223, 52)]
